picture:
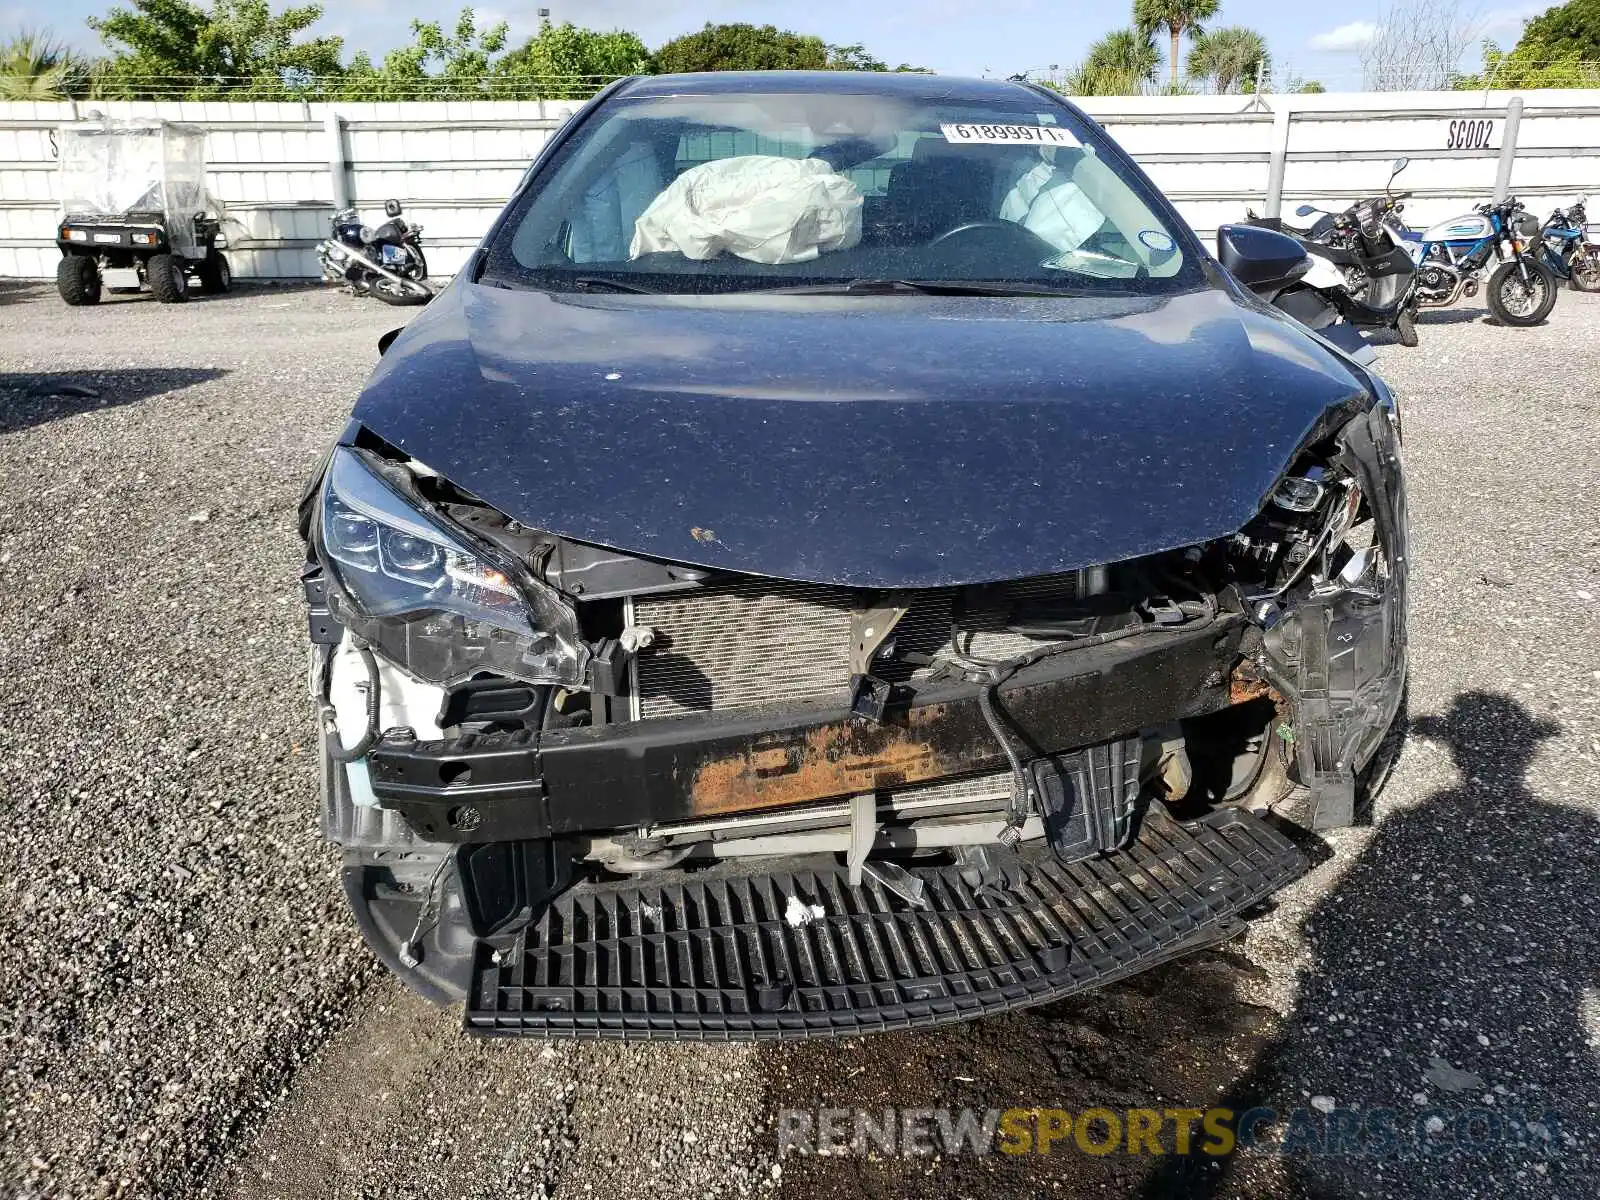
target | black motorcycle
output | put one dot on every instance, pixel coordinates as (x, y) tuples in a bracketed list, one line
[(386, 262)]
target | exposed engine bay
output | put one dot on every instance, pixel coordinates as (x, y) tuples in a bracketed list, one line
[(510, 715)]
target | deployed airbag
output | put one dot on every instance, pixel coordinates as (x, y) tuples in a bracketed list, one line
[(756, 206), (1047, 201)]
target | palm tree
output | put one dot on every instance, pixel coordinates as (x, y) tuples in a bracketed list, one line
[(1228, 57), (34, 66), (1119, 64), (1175, 18)]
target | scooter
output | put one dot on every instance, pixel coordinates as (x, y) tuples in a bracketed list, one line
[(1285, 287), (386, 262), (1358, 261)]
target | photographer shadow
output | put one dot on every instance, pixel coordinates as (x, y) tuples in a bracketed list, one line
[(1441, 1031)]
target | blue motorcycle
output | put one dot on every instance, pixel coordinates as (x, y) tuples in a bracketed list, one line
[(1571, 248), (1452, 256)]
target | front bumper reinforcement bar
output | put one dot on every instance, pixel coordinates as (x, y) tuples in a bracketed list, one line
[(505, 787)]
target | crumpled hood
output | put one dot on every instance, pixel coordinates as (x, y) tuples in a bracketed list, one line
[(864, 441)]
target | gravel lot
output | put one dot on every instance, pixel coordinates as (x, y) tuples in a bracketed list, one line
[(185, 1009)]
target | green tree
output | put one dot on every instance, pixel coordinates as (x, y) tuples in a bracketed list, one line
[(1530, 65), (1174, 18), (1570, 29), (1561, 48), (1121, 63), (464, 58), (853, 58), (174, 48), (568, 62), (1229, 57), (743, 48), (34, 66)]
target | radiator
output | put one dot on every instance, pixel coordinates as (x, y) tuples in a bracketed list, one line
[(746, 641)]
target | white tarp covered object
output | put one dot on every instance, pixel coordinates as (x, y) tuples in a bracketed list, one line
[(113, 167), (756, 206)]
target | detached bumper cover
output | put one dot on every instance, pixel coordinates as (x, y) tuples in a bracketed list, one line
[(715, 958)]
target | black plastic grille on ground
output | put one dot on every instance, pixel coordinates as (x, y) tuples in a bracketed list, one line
[(715, 958)]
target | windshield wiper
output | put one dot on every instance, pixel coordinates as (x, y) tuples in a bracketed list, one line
[(921, 287), (588, 283)]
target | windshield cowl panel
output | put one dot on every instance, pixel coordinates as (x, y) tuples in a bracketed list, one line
[(716, 193)]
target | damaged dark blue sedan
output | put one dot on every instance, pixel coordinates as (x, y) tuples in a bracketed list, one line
[(842, 556)]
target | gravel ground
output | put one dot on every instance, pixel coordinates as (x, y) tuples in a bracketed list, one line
[(186, 1010)]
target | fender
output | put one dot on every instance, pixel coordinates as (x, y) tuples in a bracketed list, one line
[(1323, 274)]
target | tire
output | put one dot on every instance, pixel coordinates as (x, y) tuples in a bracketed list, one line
[(168, 283), (1586, 272), (1406, 326), (1507, 300), (422, 264), (78, 280), (216, 276), (389, 293)]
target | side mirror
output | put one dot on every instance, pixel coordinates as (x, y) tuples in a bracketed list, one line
[(1400, 164), (1263, 260), (1305, 210), (391, 208)]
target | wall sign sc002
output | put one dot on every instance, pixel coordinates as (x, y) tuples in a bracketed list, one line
[(1469, 135)]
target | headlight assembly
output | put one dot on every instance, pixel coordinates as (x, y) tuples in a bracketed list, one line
[(427, 598)]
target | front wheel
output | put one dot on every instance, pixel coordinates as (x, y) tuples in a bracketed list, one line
[(1521, 302), (409, 292), (168, 283), (1406, 326), (1586, 271), (78, 280)]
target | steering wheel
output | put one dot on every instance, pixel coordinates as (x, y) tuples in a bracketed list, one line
[(1010, 227)]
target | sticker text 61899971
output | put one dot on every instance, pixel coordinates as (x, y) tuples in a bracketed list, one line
[(1008, 135)]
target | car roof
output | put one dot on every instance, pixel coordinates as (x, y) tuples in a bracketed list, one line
[(910, 85)]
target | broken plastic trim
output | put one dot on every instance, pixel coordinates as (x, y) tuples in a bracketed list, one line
[(614, 960), (1339, 657)]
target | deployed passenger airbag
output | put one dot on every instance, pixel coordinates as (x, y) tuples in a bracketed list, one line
[(758, 207)]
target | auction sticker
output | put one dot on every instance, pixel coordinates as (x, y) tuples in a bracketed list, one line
[(1008, 135)]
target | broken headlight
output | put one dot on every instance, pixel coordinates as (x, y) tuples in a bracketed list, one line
[(427, 598)]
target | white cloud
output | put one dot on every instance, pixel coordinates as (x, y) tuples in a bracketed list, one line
[(1506, 23), (1357, 35)]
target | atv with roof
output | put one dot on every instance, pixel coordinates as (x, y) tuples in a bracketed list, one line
[(135, 212)]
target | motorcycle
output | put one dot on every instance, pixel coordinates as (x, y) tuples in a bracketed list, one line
[(1570, 247), (1358, 263), (1452, 256), (386, 262)]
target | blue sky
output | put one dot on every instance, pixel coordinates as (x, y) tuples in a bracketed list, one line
[(998, 37)]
